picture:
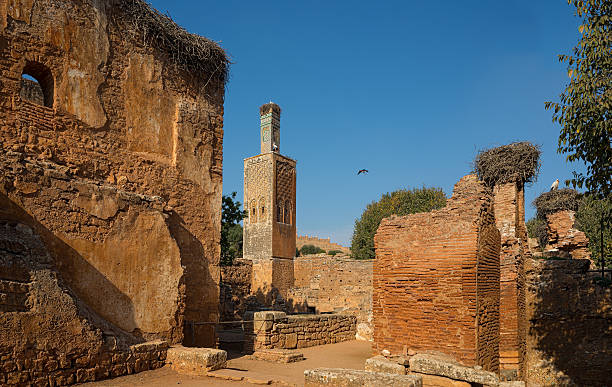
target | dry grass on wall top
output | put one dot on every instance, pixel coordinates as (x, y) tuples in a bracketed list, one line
[(516, 162), (189, 51), (555, 201)]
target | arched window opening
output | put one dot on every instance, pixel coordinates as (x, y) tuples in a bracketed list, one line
[(37, 84), (279, 212), (287, 212), (253, 212), (262, 206)]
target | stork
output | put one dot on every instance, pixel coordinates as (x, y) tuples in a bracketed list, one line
[(555, 185)]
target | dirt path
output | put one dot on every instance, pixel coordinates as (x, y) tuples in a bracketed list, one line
[(350, 354)]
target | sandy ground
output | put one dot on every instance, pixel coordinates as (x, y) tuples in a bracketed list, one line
[(350, 354)]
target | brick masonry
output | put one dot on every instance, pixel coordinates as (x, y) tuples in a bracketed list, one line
[(436, 280), (569, 338), (510, 220)]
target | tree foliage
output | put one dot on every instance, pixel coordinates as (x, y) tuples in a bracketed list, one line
[(584, 107), (589, 220), (231, 230), (310, 249), (536, 228), (401, 202)]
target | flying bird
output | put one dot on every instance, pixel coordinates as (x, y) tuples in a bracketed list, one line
[(554, 185), (362, 171)]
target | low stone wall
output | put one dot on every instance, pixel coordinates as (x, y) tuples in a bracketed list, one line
[(569, 339), (40, 367), (277, 330)]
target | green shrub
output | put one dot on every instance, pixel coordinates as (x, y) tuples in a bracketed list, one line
[(401, 202), (536, 228), (334, 252), (311, 249), (591, 212)]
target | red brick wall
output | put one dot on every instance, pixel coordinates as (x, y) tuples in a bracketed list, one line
[(436, 280), (510, 220)]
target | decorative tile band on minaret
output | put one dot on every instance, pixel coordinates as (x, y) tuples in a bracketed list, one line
[(269, 115), (269, 200)]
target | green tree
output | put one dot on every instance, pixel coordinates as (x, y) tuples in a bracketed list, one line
[(401, 202), (310, 249), (584, 109), (231, 230), (589, 220)]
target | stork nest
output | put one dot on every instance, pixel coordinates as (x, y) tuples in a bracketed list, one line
[(190, 52), (516, 162), (265, 108), (554, 201)]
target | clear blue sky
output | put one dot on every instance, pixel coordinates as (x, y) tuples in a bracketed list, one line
[(409, 90)]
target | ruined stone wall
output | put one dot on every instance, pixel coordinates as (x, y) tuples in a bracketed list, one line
[(564, 240), (569, 339), (120, 174), (277, 330), (436, 280), (235, 295), (510, 220), (47, 335), (323, 243), (333, 284)]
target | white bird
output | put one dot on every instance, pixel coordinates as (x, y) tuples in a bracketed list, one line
[(554, 185), (274, 147)]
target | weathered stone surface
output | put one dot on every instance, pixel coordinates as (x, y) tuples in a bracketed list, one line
[(127, 230), (277, 330), (382, 364), (440, 381), (564, 240), (434, 365), (195, 360), (339, 377), (334, 284), (512, 384), (279, 355)]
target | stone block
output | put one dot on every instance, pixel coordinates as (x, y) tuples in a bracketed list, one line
[(340, 377), (279, 355), (435, 365), (441, 381), (195, 360), (382, 364), (291, 341)]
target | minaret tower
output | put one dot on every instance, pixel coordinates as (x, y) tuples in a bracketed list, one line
[(269, 199)]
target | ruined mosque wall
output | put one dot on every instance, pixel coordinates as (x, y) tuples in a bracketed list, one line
[(436, 280), (120, 172)]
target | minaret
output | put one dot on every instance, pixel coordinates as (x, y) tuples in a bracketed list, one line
[(269, 199)]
